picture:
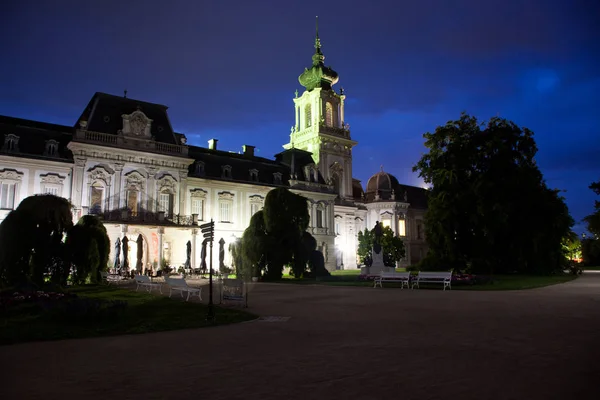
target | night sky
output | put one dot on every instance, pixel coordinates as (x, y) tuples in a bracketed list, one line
[(228, 70)]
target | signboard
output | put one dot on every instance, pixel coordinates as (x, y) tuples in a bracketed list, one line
[(233, 290)]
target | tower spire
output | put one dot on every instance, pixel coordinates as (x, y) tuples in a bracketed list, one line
[(317, 40)]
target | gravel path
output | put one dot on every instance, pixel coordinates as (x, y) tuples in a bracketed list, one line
[(341, 343)]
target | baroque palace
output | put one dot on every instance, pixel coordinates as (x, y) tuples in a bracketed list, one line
[(123, 162)]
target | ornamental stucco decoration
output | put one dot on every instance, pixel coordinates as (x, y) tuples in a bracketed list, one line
[(225, 196), (52, 179), (99, 173), (198, 193), (256, 199), (137, 124), (167, 183), (11, 175), (135, 181)]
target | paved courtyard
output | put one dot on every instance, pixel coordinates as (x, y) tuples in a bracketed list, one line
[(341, 343)]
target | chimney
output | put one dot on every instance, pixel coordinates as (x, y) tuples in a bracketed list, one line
[(248, 150), (212, 144)]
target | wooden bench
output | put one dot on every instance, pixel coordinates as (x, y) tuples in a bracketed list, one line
[(444, 278), (180, 285), (145, 282), (402, 277)]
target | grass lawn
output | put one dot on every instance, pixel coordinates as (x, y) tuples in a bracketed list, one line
[(591, 268), (144, 313), (500, 282)]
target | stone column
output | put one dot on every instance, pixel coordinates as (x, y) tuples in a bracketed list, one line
[(117, 186), (151, 192), (161, 231), (331, 217), (395, 222), (183, 192), (77, 189), (193, 260)]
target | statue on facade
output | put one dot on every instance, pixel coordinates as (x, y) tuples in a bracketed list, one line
[(378, 234), (405, 196)]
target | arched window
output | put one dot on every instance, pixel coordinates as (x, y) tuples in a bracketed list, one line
[(307, 116), (97, 198), (328, 114), (335, 180)]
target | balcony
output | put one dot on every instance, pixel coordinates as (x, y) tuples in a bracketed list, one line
[(123, 142), (146, 218), (334, 131)]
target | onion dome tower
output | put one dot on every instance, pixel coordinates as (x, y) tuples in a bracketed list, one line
[(318, 75)]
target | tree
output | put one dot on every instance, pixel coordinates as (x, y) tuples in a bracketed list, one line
[(88, 248), (591, 246), (31, 241), (489, 208), (275, 235), (392, 247), (593, 220)]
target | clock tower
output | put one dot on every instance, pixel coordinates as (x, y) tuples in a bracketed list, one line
[(320, 126)]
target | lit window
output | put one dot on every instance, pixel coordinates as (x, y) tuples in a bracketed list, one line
[(132, 200), (198, 208), (96, 199), (307, 116), (401, 227), (328, 114), (337, 228), (165, 203), (225, 211), (386, 223), (254, 207), (7, 196), (51, 190)]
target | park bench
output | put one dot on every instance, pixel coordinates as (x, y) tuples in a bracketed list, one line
[(108, 278), (402, 277), (444, 278), (180, 285), (145, 282)]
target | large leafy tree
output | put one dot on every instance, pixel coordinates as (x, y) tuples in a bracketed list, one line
[(593, 220), (31, 241), (591, 246), (88, 248), (489, 208), (392, 246), (276, 235)]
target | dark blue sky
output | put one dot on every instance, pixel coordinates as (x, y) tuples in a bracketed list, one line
[(228, 69)]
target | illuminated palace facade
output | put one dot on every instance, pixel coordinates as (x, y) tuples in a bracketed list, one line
[(123, 162)]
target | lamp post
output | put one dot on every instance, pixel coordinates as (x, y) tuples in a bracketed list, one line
[(208, 230)]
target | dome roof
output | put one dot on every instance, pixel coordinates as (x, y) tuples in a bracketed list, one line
[(382, 182)]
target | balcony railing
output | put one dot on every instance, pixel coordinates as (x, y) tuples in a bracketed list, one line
[(107, 139), (147, 218)]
